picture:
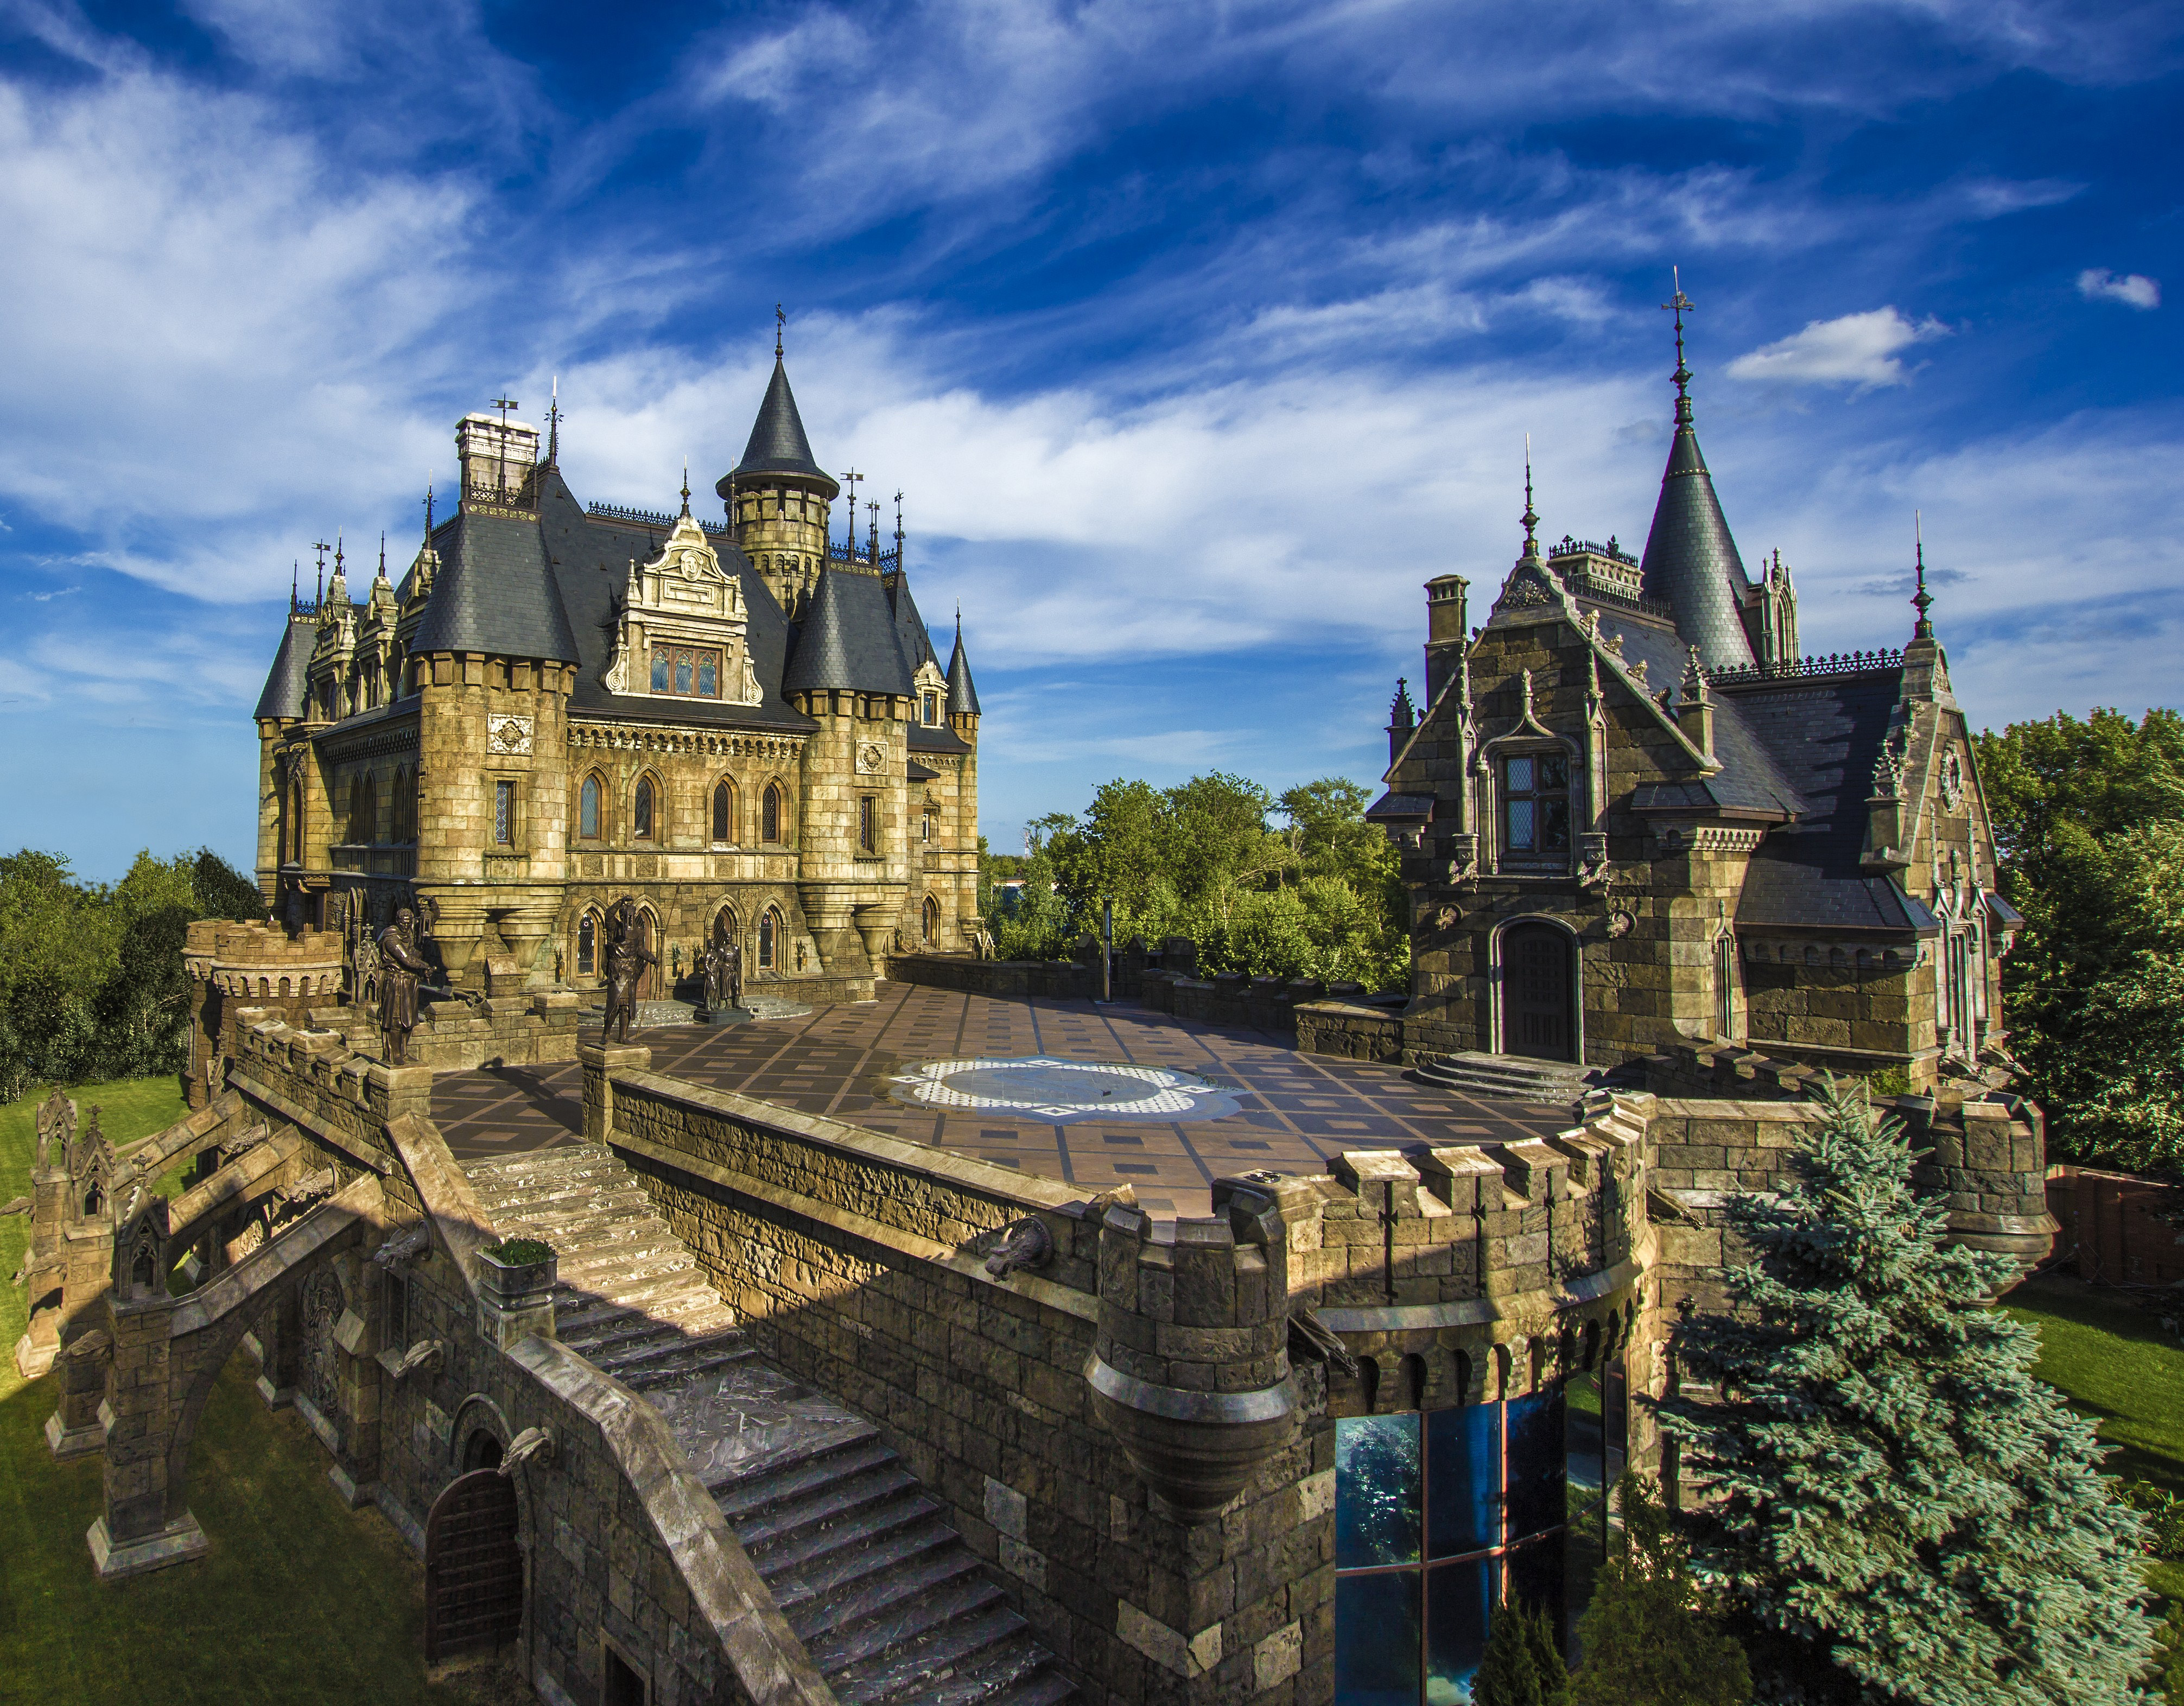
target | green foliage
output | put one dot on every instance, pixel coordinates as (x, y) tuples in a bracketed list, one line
[(2089, 820), (1649, 1636), (1316, 898), (520, 1252), (91, 983), (1521, 1665), (2168, 1657), (2164, 1512), (1891, 1492)]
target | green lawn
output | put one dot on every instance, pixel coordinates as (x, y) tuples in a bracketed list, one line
[(299, 1598), (2119, 1366)]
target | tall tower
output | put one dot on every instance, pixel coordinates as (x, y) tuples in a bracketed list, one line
[(778, 499)]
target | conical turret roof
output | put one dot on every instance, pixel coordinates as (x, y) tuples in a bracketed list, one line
[(1690, 562), (962, 692), (778, 444)]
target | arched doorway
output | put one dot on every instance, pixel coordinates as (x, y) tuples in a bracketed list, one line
[(473, 1566), (929, 916), (653, 986), (1539, 1017)]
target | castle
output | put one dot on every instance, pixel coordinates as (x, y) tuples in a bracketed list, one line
[(743, 725), (1633, 816)]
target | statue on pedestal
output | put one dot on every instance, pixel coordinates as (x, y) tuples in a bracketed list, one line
[(724, 973), (401, 970), (627, 956)]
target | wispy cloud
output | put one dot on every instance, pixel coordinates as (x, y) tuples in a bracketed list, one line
[(46, 598), (1858, 349), (2134, 289)]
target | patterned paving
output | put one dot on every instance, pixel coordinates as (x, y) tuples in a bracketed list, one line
[(1295, 1111)]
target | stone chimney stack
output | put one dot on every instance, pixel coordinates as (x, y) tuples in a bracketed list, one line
[(497, 460), (1448, 614)]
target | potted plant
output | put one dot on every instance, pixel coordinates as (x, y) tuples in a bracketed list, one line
[(517, 1271)]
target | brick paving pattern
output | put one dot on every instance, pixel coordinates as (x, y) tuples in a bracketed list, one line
[(1297, 1111)]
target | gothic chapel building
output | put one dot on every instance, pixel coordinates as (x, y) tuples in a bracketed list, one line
[(1632, 815), (744, 725)]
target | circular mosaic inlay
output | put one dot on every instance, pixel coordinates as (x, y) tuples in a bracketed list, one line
[(1059, 1091)]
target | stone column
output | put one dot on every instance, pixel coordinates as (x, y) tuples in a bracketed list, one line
[(75, 1429), (355, 1472), (600, 1061), (146, 1524), (45, 1272), (279, 1336)]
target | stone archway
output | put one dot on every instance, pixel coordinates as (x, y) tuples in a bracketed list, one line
[(473, 1566), (1539, 992)]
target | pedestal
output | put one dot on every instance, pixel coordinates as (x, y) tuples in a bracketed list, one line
[(178, 1542)]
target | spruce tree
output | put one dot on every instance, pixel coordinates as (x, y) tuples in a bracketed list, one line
[(1648, 1639), (1522, 1666), (1884, 1486)]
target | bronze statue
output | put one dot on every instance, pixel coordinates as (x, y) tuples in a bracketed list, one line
[(627, 956), (401, 970), (724, 973)]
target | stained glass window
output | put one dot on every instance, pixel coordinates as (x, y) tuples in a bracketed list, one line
[(588, 808), (504, 813)]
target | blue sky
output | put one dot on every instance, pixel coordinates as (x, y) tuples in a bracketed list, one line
[(1197, 337)]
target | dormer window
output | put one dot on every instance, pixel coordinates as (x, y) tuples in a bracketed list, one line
[(691, 672), (931, 708), (1535, 806)]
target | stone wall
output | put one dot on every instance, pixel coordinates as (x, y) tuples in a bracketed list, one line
[(2110, 1229), (1017, 979)]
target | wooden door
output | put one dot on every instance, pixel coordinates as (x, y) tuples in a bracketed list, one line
[(473, 1566), (1537, 993)]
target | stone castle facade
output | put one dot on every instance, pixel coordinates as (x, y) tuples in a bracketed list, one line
[(1632, 816), (744, 725)]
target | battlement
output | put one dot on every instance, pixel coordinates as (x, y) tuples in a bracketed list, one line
[(260, 960)]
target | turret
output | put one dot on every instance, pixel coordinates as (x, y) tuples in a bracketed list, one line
[(1402, 718), (962, 692), (778, 499)]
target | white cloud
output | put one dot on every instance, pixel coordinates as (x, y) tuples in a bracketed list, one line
[(1856, 350), (2098, 284)]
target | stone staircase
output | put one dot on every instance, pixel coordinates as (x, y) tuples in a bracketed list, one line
[(892, 1606), (1508, 1077)]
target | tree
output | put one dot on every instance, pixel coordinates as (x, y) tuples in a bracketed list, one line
[(1896, 1504), (1522, 1666), (2089, 822), (1647, 1636)]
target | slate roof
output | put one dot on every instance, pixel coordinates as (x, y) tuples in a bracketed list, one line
[(1750, 779), (1400, 808), (286, 681), (1826, 734), (847, 638), (495, 592), (590, 557), (910, 638), (963, 691), (1690, 562), (936, 738), (778, 444)]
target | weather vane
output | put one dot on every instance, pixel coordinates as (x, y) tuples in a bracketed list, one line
[(780, 326), (1679, 305)]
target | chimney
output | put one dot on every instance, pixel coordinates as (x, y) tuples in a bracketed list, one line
[(1447, 630), (497, 460)]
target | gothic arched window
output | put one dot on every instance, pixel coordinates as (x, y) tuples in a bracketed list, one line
[(587, 946), (932, 920), (588, 809), (770, 814), (769, 940), (364, 811), (640, 817), (724, 812)]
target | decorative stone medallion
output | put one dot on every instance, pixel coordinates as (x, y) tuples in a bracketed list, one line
[(870, 756), (508, 733), (1063, 1091)]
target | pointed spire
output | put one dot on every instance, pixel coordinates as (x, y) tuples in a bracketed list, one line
[(382, 575), (1530, 518), (1402, 714), (962, 694), (1690, 563), (554, 426), (780, 326), (686, 488), (778, 444), (1921, 600), (1679, 304), (295, 585), (897, 528), (428, 512)]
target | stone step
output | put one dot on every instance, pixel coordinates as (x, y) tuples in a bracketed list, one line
[(671, 1366), (540, 1167), (794, 1472), (883, 1591), (597, 1315), (1016, 1671), (943, 1619), (913, 1664), (572, 1221), (614, 1288), (836, 1500), (905, 1528), (1506, 1078), (614, 1342)]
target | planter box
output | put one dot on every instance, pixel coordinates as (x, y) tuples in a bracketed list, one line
[(516, 1284)]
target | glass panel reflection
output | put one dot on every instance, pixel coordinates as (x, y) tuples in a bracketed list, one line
[(1536, 1463), (1464, 1470), (1376, 1491), (1583, 1433), (1459, 1598), (1615, 1418), (1585, 1549), (1535, 1581), (1376, 1639)]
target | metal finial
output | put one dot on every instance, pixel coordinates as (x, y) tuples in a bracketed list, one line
[(849, 477), (428, 512), (780, 325), (1921, 600), (1679, 305), (382, 553), (337, 551), (1529, 519), (554, 424), (872, 543), (686, 488), (898, 529), (295, 585)]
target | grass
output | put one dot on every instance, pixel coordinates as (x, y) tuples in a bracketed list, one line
[(2119, 1366), (299, 1598)]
